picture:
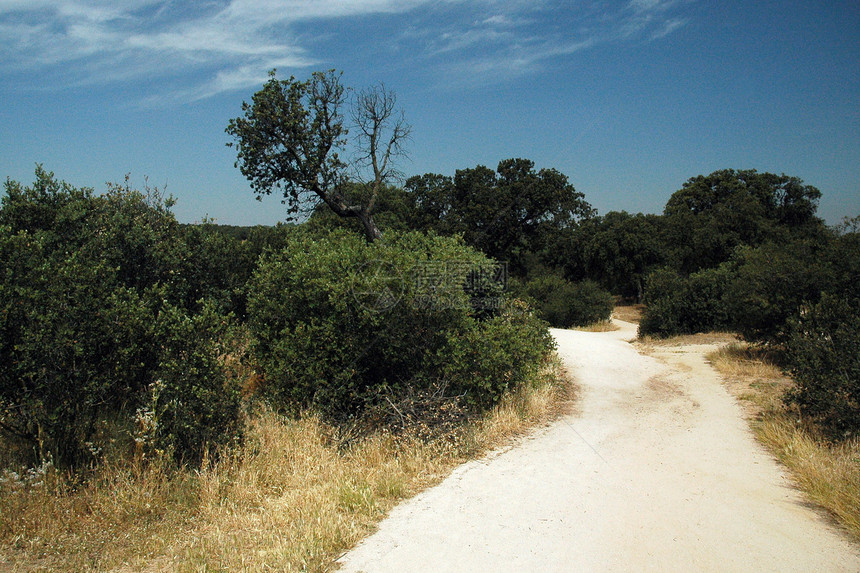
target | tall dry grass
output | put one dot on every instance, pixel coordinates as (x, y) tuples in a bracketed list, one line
[(292, 498), (602, 326), (828, 473), (628, 312)]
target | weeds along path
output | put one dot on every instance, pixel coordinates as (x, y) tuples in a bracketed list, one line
[(656, 471)]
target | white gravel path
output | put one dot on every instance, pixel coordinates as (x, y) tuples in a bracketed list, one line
[(656, 471)]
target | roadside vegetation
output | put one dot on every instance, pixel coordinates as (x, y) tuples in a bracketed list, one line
[(827, 471), (174, 395), (295, 494)]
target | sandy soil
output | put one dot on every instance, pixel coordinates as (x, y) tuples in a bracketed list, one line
[(656, 471)]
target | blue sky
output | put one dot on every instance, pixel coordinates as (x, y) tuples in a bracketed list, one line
[(628, 98)]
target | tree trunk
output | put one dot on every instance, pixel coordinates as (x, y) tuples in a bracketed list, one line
[(371, 231)]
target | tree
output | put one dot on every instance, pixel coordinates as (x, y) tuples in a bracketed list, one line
[(617, 250), (506, 213), (773, 283), (393, 210), (848, 225), (293, 138), (712, 215)]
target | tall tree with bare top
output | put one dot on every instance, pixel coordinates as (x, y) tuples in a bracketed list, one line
[(293, 138)]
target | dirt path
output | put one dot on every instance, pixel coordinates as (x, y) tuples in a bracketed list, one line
[(657, 471)]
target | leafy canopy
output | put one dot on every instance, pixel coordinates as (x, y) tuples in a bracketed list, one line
[(293, 138), (503, 213)]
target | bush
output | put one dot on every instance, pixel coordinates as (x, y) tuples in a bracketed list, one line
[(675, 304), (191, 408), (91, 314), (661, 316), (496, 356), (565, 304), (340, 324), (56, 353), (823, 349), (770, 285)]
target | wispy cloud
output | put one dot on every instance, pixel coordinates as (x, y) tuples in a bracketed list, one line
[(515, 61), (668, 27), (653, 18), (215, 46), (231, 43), (527, 37)]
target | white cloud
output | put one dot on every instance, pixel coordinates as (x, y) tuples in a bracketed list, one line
[(669, 26), (231, 44), (515, 61), (242, 38), (526, 38), (498, 20), (651, 5)]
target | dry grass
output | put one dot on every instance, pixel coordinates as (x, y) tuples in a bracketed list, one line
[(293, 498), (752, 374), (688, 339), (629, 313), (602, 326), (51, 521), (828, 473)]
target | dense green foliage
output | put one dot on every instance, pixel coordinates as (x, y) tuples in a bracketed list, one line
[(190, 407), (739, 252), (823, 341), (116, 322), (340, 324), (617, 250), (220, 260), (710, 216), (756, 293), (95, 309), (565, 304), (684, 305), (823, 347), (773, 283), (505, 214)]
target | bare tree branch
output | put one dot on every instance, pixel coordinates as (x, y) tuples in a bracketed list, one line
[(382, 134)]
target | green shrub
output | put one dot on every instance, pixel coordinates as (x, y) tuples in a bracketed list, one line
[(340, 324), (564, 304), (770, 285), (675, 304), (587, 303), (661, 316), (823, 349), (56, 354), (195, 409), (91, 314), (492, 357)]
